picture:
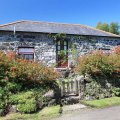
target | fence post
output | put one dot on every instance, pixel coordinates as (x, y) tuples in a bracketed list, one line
[(61, 87), (76, 86)]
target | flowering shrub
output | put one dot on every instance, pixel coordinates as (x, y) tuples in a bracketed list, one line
[(18, 76), (13, 68), (117, 50), (98, 63)]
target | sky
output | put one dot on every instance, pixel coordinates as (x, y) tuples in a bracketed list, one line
[(87, 12)]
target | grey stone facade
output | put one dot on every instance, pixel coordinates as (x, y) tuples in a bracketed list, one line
[(85, 45), (45, 49), (45, 46)]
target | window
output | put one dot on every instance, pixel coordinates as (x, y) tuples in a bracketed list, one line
[(26, 53)]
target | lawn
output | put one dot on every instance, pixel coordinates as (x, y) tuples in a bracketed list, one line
[(46, 113), (103, 102)]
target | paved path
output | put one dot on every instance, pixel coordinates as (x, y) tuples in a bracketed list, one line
[(74, 107), (111, 113)]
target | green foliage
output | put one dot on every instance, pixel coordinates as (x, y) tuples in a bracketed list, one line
[(99, 25), (60, 36), (113, 27), (22, 82), (26, 102), (4, 100), (30, 100), (74, 52), (44, 114), (95, 90), (116, 91), (17, 70), (103, 26), (98, 63)]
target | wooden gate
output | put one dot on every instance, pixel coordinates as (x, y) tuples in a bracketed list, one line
[(71, 87)]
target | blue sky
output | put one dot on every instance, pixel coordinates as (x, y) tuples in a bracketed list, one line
[(87, 12)]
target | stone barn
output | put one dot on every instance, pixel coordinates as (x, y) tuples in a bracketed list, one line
[(55, 44)]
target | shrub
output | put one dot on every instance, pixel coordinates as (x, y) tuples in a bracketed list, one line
[(116, 91), (4, 101), (28, 107), (26, 102), (97, 91), (30, 100), (98, 63), (19, 76), (16, 74), (20, 70), (117, 50)]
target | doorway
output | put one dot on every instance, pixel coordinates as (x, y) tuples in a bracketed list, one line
[(62, 53)]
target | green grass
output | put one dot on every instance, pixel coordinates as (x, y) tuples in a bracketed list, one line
[(50, 111), (46, 113), (103, 102)]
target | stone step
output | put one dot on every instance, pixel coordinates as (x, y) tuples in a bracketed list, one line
[(70, 100)]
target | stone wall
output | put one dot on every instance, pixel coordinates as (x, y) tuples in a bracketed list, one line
[(85, 45), (45, 46)]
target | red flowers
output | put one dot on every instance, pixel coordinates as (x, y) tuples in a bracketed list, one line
[(11, 55), (99, 63), (24, 70), (117, 50)]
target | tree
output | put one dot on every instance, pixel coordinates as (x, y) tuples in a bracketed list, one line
[(114, 28), (103, 26), (99, 25)]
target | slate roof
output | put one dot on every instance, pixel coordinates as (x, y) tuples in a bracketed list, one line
[(51, 27)]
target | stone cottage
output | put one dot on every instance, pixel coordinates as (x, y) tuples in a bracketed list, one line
[(39, 41)]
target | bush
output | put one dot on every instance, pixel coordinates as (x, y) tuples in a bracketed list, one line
[(116, 91), (19, 70), (30, 100), (26, 102), (4, 101), (96, 91), (98, 63), (19, 76), (117, 50)]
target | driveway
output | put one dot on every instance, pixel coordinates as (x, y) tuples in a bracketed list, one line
[(111, 113)]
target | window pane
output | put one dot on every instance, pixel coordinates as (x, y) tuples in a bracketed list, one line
[(30, 57), (58, 42), (58, 47), (65, 47), (27, 57), (58, 52), (65, 43)]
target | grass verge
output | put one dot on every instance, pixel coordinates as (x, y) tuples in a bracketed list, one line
[(103, 102), (46, 114)]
